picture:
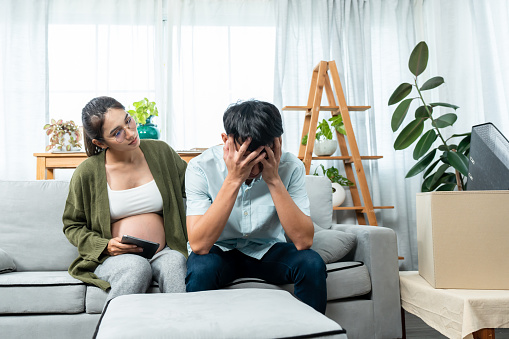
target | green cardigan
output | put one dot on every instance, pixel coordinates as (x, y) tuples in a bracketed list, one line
[(86, 215)]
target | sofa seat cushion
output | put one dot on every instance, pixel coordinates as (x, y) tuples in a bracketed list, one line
[(95, 299), (41, 292), (344, 280)]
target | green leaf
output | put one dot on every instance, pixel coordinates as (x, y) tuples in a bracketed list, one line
[(400, 93), (432, 83), (445, 120), (458, 161), (323, 126), (409, 134), (464, 144), (438, 174), (426, 184), (400, 114), (418, 59), (443, 104), (304, 140), (430, 168), (422, 112), (421, 165), (424, 144), (447, 187), (337, 123)]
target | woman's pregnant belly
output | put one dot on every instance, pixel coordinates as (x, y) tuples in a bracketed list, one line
[(148, 226)]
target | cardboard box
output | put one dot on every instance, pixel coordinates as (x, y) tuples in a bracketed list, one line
[(463, 239)]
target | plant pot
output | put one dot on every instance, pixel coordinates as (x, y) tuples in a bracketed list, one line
[(325, 147), (338, 194), (148, 130), (65, 142)]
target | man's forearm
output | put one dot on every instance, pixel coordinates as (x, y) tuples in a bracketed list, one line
[(296, 224), (206, 230)]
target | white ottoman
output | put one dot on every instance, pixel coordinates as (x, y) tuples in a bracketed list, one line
[(242, 313)]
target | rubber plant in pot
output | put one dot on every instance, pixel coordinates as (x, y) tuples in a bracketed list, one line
[(64, 136), (324, 144), (143, 113), (338, 181), (448, 155)]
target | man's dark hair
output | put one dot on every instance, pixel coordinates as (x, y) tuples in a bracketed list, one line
[(259, 120)]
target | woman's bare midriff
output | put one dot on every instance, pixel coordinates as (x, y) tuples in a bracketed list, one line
[(148, 226)]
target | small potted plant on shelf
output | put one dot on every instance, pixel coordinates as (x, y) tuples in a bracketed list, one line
[(324, 144), (143, 113), (338, 181), (450, 155), (64, 136)]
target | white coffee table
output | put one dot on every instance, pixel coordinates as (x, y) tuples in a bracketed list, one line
[(456, 313)]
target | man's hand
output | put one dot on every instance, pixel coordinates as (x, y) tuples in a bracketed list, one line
[(115, 247), (238, 163), (271, 162)]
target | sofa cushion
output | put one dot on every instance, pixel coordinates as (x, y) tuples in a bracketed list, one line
[(6, 262), (31, 225), (95, 298), (41, 292), (344, 280), (319, 190), (333, 245)]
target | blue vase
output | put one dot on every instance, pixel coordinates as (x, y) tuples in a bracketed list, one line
[(148, 130)]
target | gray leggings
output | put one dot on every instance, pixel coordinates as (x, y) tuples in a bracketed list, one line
[(131, 273)]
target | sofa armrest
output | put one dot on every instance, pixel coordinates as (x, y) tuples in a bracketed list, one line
[(377, 248)]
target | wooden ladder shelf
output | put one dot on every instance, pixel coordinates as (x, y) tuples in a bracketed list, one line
[(320, 80)]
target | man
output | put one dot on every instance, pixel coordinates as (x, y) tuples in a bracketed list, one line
[(242, 198)]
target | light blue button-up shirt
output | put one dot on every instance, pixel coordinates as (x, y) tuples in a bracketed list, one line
[(253, 226)]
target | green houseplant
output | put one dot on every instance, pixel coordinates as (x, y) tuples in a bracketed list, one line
[(448, 155), (338, 181), (64, 136), (324, 145), (143, 113)]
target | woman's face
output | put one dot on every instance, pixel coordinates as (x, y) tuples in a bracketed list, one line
[(119, 130)]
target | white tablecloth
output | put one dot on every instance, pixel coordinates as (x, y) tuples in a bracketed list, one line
[(455, 313)]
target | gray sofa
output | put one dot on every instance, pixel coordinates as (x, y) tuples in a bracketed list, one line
[(38, 298)]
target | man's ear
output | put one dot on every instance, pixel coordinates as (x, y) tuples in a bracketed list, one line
[(99, 144), (224, 136)]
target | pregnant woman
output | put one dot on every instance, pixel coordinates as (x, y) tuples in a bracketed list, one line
[(126, 187)]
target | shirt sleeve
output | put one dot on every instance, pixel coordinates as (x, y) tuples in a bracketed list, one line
[(297, 189), (198, 198)]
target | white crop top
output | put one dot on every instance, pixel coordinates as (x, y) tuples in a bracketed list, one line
[(138, 200)]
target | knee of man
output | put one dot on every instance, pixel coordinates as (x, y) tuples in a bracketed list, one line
[(203, 265), (312, 263)]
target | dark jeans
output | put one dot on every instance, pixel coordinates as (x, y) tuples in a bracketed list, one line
[(282, 264)]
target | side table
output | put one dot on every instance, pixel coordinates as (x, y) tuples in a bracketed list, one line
[(47, 162), (456, 313)]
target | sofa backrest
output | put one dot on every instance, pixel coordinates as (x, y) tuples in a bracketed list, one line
[(31, 225), (31, 221)]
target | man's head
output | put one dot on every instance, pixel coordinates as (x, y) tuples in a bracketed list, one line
[(256, 119)]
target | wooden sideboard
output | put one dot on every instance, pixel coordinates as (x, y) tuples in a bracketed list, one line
[(47, 162)]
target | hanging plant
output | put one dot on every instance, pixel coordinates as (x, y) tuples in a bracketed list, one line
[(451, 156)]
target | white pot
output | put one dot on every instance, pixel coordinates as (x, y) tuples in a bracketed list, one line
[(325, 147), (66, 142), (338, 194)]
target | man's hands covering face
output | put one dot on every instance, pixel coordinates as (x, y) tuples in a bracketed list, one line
[(238, 163), (271, 162)]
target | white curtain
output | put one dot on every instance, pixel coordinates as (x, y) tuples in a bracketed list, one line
[(23, 85), (199, 56)]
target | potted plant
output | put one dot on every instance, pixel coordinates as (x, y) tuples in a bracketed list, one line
[(324, 144), (450, 155), (338, 181), (64, 136), (143, 113)]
